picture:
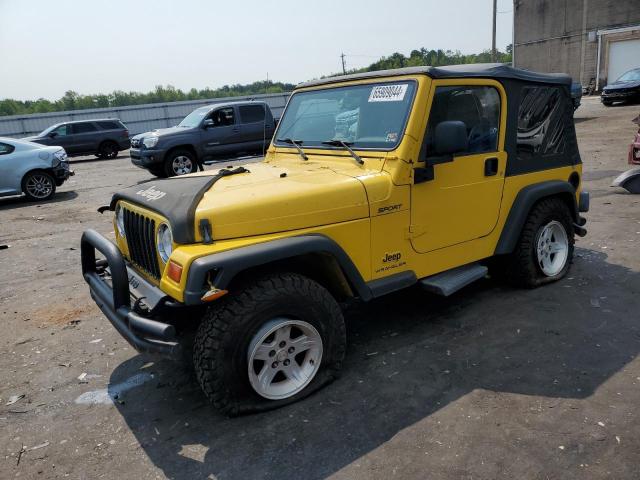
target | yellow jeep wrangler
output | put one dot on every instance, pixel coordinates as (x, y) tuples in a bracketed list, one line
[(373, 182)]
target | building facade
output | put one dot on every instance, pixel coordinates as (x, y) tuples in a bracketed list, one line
[(594, 41)]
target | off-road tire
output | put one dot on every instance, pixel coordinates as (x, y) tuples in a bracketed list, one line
[(168, 162), (521, 268), (223, 338), (107, 150)]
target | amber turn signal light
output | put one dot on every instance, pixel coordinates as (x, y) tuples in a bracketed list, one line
[(213, 294), (174, 271)]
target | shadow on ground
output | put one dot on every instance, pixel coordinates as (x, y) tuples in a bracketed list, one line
[(7, 203), (91, 159), (410, 354)]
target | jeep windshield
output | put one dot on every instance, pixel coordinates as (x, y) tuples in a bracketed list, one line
[(371, 116), (194, 118)]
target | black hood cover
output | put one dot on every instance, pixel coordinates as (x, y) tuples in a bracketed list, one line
[(175, 198)]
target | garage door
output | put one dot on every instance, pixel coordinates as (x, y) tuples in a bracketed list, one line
[(623, 56)]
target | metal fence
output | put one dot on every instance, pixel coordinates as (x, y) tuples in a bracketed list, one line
[(137, 118)]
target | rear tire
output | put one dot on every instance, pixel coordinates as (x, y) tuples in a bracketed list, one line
[(108, 150), (607, 104), (38, 186), (545, 249), (179, 162), (236, 334)]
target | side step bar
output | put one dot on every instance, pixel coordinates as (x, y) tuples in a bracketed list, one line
[(451, 281)]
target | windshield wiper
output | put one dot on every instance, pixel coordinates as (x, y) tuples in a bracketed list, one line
[(295, 143), (345, 145)]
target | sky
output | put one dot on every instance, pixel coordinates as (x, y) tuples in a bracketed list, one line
[(91, 46)]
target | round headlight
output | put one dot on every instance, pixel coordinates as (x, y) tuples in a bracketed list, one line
[(164, 242), (120, 221)]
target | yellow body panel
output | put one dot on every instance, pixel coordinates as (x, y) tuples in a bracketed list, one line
[(383, 221)]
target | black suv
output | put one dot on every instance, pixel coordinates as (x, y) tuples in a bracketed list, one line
[(208, 133), (103, 138)]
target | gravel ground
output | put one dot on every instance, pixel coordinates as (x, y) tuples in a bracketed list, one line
[(490, 383)]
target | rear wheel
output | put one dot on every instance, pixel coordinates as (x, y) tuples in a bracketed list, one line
[(607, 103), (273, 342), (108, 150), (38, 186), (179, 162), (545, 249)]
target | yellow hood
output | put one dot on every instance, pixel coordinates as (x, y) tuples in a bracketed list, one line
[(285, 195)]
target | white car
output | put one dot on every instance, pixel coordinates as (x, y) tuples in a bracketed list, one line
[(33, 169)]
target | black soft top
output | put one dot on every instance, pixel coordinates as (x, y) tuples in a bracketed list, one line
[(478, 70)]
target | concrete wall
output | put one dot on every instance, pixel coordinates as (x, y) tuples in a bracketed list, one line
[(138, 118), (562, 35)]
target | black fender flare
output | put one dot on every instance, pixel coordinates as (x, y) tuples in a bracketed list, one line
[(227, 264), (522, 205)]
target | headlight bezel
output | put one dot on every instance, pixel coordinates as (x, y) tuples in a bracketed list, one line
[(119, 217), (150, 141), (164, 242)]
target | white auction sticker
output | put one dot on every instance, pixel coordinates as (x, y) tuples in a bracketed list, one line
[(388, 93)]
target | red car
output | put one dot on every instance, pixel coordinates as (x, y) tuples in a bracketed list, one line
[(634, 148)]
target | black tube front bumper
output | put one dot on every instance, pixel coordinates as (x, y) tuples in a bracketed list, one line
[(144, 334)]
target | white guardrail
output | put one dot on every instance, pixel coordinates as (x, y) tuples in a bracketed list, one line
[(137, 118)]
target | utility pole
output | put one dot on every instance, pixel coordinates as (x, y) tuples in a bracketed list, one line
[(494, 58), (344, 69)]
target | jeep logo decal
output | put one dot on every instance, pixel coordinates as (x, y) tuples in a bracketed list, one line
[(151, 193), (392, 257)]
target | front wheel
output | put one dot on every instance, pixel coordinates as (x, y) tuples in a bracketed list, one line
[(271, 343), (179, 162), (38, 186), (545, 248)]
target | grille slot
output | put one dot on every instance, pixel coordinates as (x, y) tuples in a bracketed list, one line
[(140, 232)]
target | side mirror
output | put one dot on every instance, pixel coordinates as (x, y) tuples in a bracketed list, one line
[(52, 135), (450, 138), (208, 123)]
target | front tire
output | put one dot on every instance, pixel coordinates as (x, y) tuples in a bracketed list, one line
[(270, 343), (38, 186), (179, 162), (545, 248)]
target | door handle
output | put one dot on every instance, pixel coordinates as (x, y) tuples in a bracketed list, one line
[(491, 167), (235, 129)]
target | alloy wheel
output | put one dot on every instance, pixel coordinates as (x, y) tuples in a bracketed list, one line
[(39, 186), (182, 165), (552, 248), (283, 358)]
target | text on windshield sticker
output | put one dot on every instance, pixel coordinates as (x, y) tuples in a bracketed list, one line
[(388, 93)]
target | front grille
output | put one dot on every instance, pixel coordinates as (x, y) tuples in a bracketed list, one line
[(140, 234)]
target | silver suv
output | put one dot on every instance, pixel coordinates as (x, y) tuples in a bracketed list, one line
[(32, 169)]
